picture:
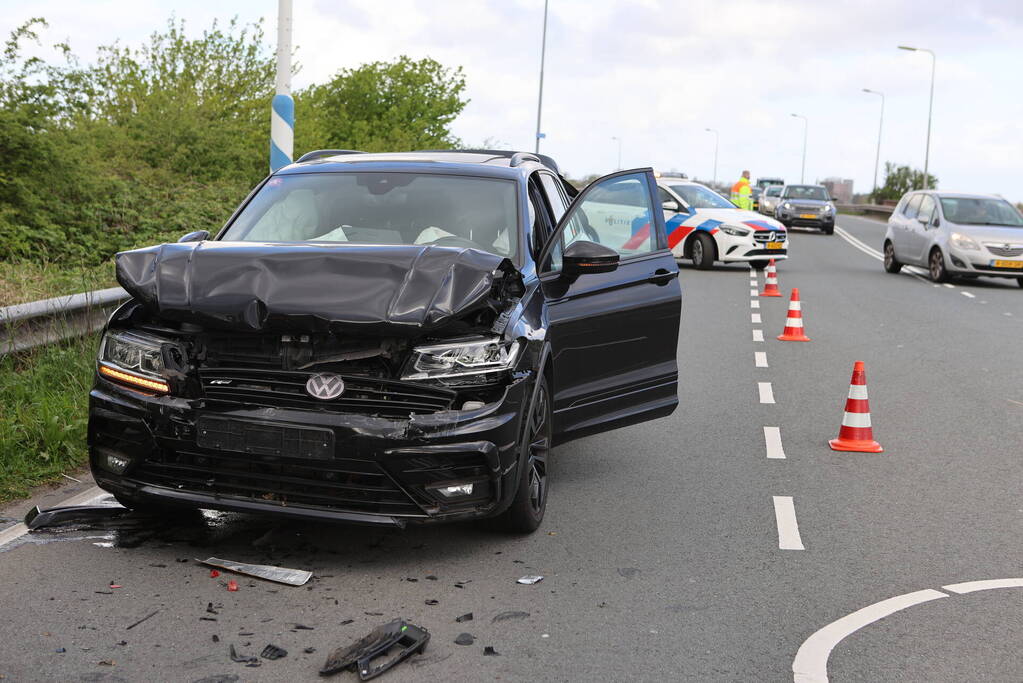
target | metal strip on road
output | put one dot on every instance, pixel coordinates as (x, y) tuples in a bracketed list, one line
[(788, 528), (90, 495)]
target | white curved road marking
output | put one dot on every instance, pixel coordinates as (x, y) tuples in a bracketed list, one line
[(811, 662)]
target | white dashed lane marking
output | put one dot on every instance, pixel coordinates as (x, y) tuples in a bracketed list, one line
[(788, 528), (766, 392), (760, 359), (772, 441), (972, 296), (755, 317), (753, 291), (758, 335), (754, 303)]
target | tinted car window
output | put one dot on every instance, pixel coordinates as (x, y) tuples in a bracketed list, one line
[(926, 209), (700, 197), (805, 192), (773, 191), (913, 206), (383, 208)]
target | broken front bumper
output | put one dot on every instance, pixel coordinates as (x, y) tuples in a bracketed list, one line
[(306, 463)]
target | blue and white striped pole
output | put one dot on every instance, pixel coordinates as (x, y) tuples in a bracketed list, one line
[(282, 109)]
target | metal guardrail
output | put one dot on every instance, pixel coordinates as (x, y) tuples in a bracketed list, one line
[(867, 208), (26, 326)]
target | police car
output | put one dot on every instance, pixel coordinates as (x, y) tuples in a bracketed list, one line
[(705, 227)]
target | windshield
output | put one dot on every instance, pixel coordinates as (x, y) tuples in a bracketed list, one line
[(980, 211), (773, 191), (700, 197), (805, 192), (383, 208)]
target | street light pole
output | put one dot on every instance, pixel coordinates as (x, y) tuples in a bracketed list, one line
[(806, 127), (716, 138), (619, 151), (539, 99), (282, 108), (880, 127), (930, 107)]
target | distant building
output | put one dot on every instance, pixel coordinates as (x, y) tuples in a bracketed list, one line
[(839, 188)]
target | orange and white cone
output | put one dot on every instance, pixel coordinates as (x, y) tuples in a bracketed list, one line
[(771, 281), (794, 322), (856, 434)]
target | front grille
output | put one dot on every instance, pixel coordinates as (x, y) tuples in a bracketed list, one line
[(343, 484), (765, 236), (1010, 252), (286, 389)]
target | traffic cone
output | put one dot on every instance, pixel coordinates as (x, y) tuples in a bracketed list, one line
[(856, 433), (771, 281), (794, 322)]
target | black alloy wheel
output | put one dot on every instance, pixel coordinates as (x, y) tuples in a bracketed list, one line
[(891, 264), (527, 509), (936, 266)]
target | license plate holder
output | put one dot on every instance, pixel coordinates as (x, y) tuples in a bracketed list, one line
[(264, 438), (999, 263)]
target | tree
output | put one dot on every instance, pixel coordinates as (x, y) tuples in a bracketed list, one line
[(898, 180), (382, 107)]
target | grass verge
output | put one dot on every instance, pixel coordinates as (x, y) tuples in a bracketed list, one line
[(21, 282), (44, 398)]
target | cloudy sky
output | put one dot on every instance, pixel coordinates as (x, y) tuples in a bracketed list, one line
[(657, 73)]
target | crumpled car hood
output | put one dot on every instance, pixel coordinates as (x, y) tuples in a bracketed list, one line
[(362, 289)]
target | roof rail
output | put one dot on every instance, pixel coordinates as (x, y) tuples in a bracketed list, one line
[(519, 157), (316, 154), (504, 154)]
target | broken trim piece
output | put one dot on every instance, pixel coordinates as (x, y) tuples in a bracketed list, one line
[(360, 655), (290, 577)]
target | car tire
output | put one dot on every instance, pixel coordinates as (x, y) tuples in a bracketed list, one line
[(1019, 281), (891, 264), (828, 230), (759, 265), (702, 251), (936, 266), (526, 511)]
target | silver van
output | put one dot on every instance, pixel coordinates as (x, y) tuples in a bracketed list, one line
[(953, 234)]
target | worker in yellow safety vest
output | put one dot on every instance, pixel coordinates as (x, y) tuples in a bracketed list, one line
[(742, 193)]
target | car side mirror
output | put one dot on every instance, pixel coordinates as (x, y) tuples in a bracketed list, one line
[(936, 223), (924, 219), (670, 205), (582, 257), (197, 236)]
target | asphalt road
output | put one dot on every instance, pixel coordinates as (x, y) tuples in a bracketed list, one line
[(660, 550)]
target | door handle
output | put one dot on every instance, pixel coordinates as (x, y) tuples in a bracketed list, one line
[(662, 276)]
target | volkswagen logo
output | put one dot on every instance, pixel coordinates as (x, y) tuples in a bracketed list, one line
[(325, 386)]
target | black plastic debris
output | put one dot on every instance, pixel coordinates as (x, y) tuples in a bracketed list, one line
[(216, 638), (431, 602), (247, 660), (148, 616), (61, 650), (380, 643), (431, 577), (221, 678), (489, 651), (309, 650), (273, 652), (302, 627), (40, 519), (509, 615), (465, 639), (465, 617), (349, 621), (209, 608), (291, 577)]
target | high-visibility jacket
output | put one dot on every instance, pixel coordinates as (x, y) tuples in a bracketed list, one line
[(742, 194)]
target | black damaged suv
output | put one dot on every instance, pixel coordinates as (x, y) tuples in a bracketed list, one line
[(388, 338)]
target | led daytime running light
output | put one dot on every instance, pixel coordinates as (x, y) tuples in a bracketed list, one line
[(128, 378)]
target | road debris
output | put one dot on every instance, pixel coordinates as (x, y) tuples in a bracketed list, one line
[(465, 639), (40, 519), (273, 652), (628, 572), (379, 643), (148, 616), (465, 617), (290, 577), (232, 586), (489, 651), (302, 627), (509, 615), (214, 573), (247, 660), (529, 580), (309, 650), (431, 601)]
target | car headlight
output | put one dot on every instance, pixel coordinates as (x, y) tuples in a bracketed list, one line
[(786, 205), (133, 359), (961, 241), (737, 232), (463, 363), (826, 208)]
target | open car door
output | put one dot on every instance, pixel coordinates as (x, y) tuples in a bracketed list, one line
[(614, 305)]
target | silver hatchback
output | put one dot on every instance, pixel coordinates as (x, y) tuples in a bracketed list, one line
[(954, 234)]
